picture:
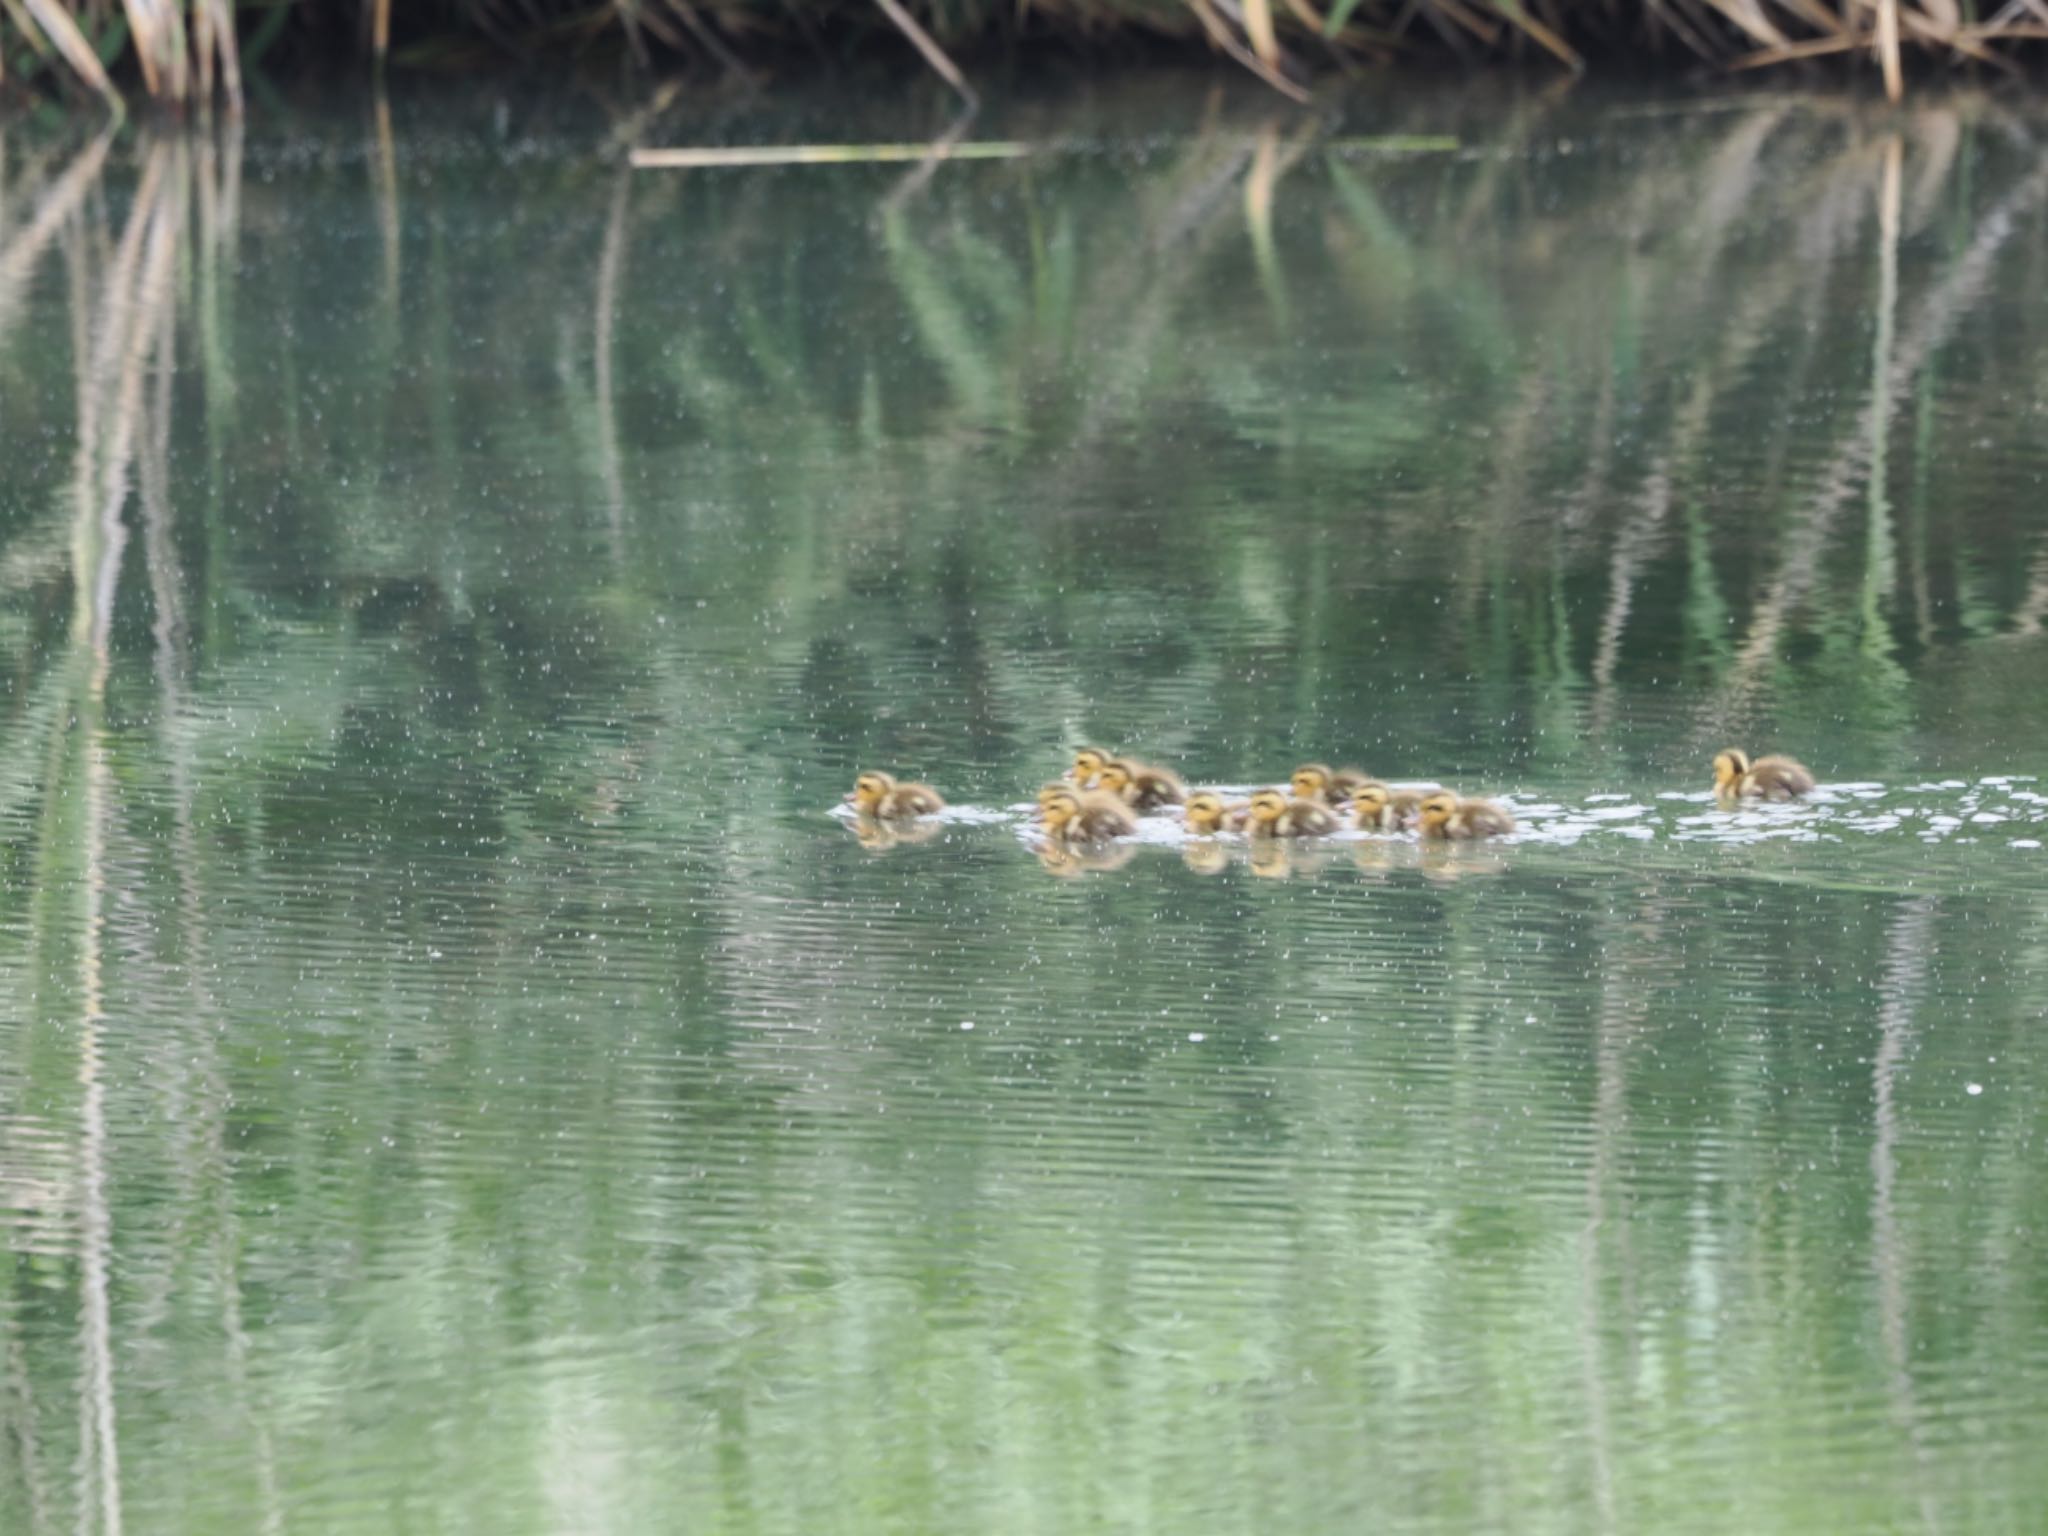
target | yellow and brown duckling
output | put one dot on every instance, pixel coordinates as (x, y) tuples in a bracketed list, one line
[(1083, 816), (1273, 814), (1209, 813), (1139, 785), (1377, 807), (1326, 785), (1088, 765), (1448, 817), (879, 796), (1768, 778)]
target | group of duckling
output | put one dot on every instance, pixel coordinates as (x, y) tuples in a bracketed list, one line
[(1097, 799), (1102, 795)]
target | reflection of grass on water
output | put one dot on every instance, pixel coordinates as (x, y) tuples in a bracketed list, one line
[(951, 485), (1545, 490)]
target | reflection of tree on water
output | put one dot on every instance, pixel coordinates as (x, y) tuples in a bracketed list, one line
[(600, 633)]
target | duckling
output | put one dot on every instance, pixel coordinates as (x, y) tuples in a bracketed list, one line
[(1273, 814), (1208, 813), (1141, 787), (879, 796), (1378, 807), (1327, 786), (1091, 817), (1087, 766), (1768, 778), (1446, 816)]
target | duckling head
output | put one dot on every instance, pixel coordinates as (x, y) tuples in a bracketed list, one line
[(1267, 807), (1088, 763), (1115, 777), (1204, 812), (868, 791), (1057, 807), (1369, 802), (1046, 792), (1729, 767), (1438, 809), (1310, 780)]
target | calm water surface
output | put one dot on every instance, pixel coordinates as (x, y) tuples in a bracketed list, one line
[(457, 1074)]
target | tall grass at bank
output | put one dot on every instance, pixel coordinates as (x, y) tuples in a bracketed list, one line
[(185, 52)]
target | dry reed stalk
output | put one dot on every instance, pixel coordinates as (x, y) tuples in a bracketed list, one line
[(230, 52), (824, 154), (1258, 29), (63, 33), (1888, 49), (934, 55), (1226, 40)]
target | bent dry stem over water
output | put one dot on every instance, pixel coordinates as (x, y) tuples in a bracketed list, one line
[(453, 1073)]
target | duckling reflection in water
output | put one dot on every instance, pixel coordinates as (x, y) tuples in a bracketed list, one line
[(1066, 861), (1278, 858), (1139, 785), (878, 836), (1203, 855), (1327, 786), (1273, 814), (1768, 778), (1379, 857), (1445, 862), (879, 796), (1448, 818), (1091, 817)]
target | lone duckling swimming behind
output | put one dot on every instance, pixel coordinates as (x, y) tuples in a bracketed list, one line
[(1071, 817), (1446, 817), (1273, 814), (1768, 778), (879, 796)]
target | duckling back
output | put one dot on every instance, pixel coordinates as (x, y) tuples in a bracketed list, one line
[(1778, 778)]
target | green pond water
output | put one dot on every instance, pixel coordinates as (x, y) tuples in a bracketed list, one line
[(458, 1073)]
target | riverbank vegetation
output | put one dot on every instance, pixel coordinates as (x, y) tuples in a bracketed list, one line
[(193, 53)]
